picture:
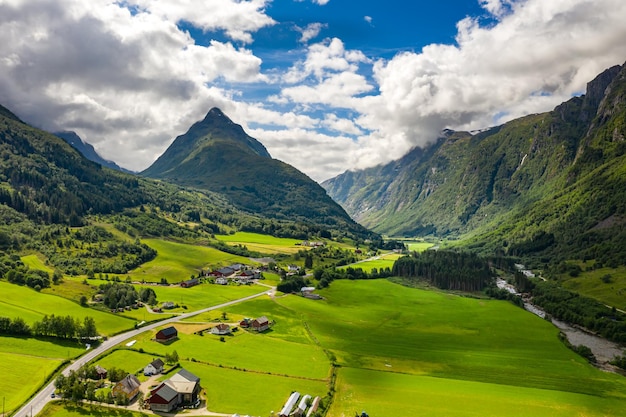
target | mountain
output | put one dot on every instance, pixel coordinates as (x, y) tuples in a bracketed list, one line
[(545, 184), (45, 178), (87, 150), (216, 154)]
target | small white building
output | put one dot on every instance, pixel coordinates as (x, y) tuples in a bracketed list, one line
[(154, 367), (221, 281), (291, 402), (221, 329)]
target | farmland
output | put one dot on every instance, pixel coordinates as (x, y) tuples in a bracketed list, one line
[(177, 262), (399, 351), (378, 262), (413, 338), (262, 243), (607, 285)]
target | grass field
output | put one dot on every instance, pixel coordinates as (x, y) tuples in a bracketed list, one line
[(259, 353), (382, 261), (379, 393), (418, 246), (69, 409), (33, 358), (34, 262), (18, 301), (262, 243), (177, 262), (591, 284), (376, 326), (129, 360)]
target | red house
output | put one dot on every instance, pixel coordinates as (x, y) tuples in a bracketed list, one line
[(167, 334), (260, 324)]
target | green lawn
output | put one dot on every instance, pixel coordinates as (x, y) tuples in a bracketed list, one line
[(263, 243), (418, 246), (177, 262)]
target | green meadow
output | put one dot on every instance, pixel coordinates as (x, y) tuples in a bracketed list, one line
[(607, 285), (245, 392), (69, 409), (177, 261), (262, 243), (259, 353), (128, 360), (379, 262), (410, 344), (24, 302), (34, 358), (34, 262)]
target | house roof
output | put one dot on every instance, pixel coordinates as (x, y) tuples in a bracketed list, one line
[(226, 271), (223, 326), (261, 320), (164, 391), (100, 370), (129, 384), (157, 363), (186, 375), (168, 331)]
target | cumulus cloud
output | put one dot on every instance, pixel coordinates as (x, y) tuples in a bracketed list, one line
[(311, 31), (128, 79), (127, 82), (237, 18)]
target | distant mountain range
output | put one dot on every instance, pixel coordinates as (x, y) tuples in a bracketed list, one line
[(52, 180), (88, 150), (545, 184)]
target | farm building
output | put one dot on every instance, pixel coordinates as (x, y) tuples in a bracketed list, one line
[(314, 406), (181, 389), (127, 387), (190, 283), (154, 367), (167, 334), (101, 372), (250, 274), (245, 323), (260, 324), (221, 329), (223, 272), (221, 281), (291, 402), (302, 405)]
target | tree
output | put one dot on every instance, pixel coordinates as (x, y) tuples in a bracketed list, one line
[(83, 301), (308, 261)]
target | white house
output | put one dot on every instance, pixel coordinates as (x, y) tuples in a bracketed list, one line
[(221, 328), (154, 367)]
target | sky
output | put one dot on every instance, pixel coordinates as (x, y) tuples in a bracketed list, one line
[(326, 85)]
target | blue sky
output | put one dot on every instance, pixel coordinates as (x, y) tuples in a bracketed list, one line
[(325, 85)]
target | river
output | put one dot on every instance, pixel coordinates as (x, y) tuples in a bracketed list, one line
[(604, 350)]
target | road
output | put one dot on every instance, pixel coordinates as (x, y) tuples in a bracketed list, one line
[(37, 403)]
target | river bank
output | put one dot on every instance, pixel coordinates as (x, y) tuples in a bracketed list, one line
[(604, 350)]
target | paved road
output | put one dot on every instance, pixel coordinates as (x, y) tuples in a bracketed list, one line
[(36, 404)]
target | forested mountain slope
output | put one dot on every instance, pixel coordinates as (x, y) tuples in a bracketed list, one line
[(216, 154), (546, 184)]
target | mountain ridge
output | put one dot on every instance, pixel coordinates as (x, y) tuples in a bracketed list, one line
[(87, 150), (502, 186)]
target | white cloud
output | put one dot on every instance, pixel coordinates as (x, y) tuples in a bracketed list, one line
[(129, 81), (311, 31), (368, 19), (237, 18)]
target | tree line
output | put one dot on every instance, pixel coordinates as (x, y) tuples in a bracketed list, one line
[(62, 327), (461, 271)]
